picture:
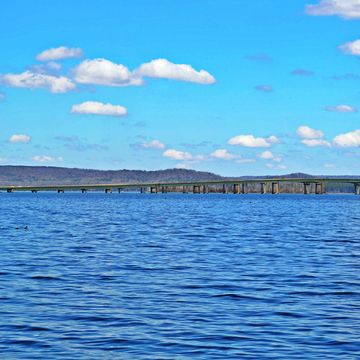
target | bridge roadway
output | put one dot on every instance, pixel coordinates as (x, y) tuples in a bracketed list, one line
[(236, 186)]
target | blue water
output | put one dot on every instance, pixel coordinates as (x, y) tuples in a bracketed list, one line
[(134, 276)]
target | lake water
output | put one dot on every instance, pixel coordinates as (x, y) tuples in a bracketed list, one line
[(140, 276)]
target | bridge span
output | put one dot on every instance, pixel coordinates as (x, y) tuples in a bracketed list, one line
[(235, 186)]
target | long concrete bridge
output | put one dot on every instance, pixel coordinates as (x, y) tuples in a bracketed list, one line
[(240, 186)]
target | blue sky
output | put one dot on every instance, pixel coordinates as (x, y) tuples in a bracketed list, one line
[(234, 87)]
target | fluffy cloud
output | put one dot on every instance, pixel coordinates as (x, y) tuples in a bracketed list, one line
[(223, 154), (264, 88), (104, 72), (252, 141), (348, 9), (59, 53), (306, 132), (341, 109), (28, 79), (98, 108), (20, 138), (352, 48), (46, 158), (267, 155), (154, 144), (349, 139), (315, 142), (162, 68), (177, 155)]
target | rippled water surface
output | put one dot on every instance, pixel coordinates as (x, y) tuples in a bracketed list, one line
[(134, 276)]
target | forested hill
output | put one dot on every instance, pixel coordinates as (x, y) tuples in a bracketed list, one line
[(46, 175)]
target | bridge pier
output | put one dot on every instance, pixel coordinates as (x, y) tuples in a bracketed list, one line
[(224, 189), (357, 189), (60, 191), (244, 188), (236, 188), (275, 188), (196, 189), (83, 191), (34, 191), (108, 191), (9, 190), (263, 188), (185, 189), (306, 188), (153, 189), (205, 189), (319, 188)]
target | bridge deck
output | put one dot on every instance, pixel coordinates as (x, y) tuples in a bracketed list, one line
[(355, 181)]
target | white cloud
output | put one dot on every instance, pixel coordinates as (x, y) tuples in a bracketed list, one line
[(2, 96), (352, 48), (162, 68), (315, 142), (98, 108), (252, 141), (28, 79), (341, 109), (223, 154), (306, 132), (59, 53), (273, 139), (267, 155), (46, 158), (177, 155), (154, 144), (20, 138), (348, 9), (104, 72), (349, 139)]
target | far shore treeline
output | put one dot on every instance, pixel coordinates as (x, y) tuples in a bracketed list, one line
[(48, 175)]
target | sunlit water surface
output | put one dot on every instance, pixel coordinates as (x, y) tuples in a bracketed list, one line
[(134, 276)]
